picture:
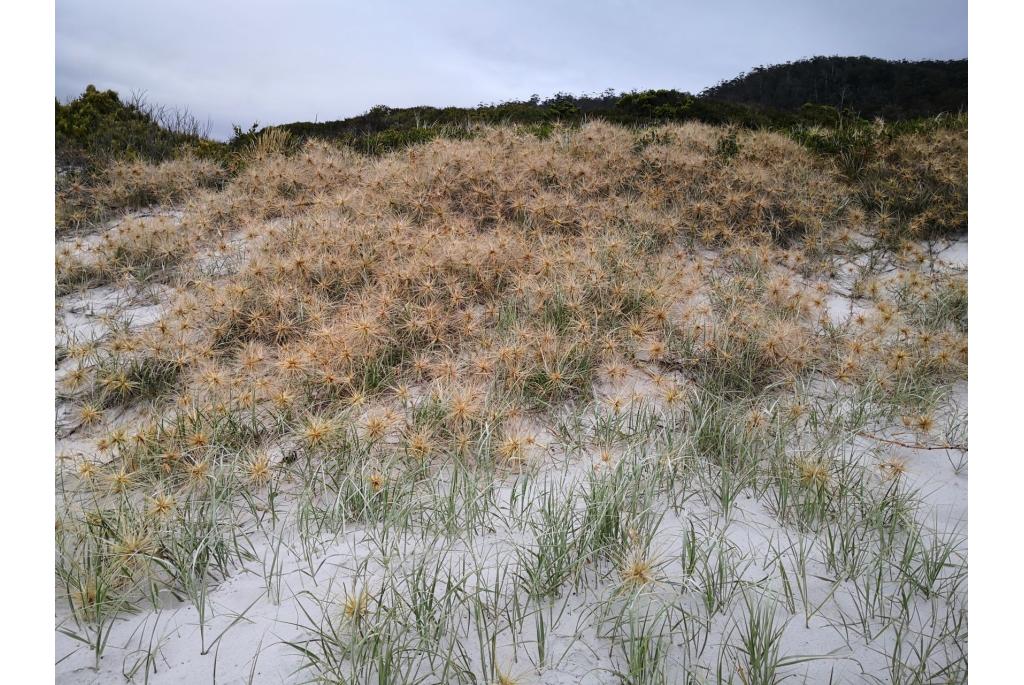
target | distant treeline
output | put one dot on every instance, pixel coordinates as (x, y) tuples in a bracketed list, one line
[(639, 108), (868, 86), (831, 92), (818, 91)]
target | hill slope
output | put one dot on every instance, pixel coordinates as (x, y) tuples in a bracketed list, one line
[(593, 408)]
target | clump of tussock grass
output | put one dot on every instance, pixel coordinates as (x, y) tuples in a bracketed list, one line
[(138, 250), (133, 185), (917, 183)]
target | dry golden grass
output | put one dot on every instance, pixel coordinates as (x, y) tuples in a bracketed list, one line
[(133, 185), (493, 276)]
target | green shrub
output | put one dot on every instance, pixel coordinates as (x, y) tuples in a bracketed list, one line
[(98, 126)]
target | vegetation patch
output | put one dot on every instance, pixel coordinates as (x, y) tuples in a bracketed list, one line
[(569, 400)]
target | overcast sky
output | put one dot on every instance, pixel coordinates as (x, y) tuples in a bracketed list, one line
[(243, 61)]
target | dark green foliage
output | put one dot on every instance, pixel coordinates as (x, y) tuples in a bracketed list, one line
[(542, 131), (563, 108), (397, 139), (866, 85), (824, 115), (417, 124), (242, 138), (727, 146), (655, 104)]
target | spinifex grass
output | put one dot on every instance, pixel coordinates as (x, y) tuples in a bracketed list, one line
[(515, 407)]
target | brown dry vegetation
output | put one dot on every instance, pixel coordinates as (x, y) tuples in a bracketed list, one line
[(126, 185), (440, 301), (511, 267), (920, 178)]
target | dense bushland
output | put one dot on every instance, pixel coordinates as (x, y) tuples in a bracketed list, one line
[(893, 89)]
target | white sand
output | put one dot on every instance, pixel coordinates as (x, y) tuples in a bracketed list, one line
[(251, 625)]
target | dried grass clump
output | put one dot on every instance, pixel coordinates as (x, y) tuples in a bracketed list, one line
[(918, 183), (138, 248), (130, 185), (272, 184), (668, 182), (270, 142), (757, 330)]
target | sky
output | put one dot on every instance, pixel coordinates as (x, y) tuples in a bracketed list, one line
[(231, 62)]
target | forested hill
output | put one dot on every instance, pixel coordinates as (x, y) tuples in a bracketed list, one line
[(867, 85)]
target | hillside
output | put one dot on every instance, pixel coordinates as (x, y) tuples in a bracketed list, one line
[(604, 406), (866, 85)]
